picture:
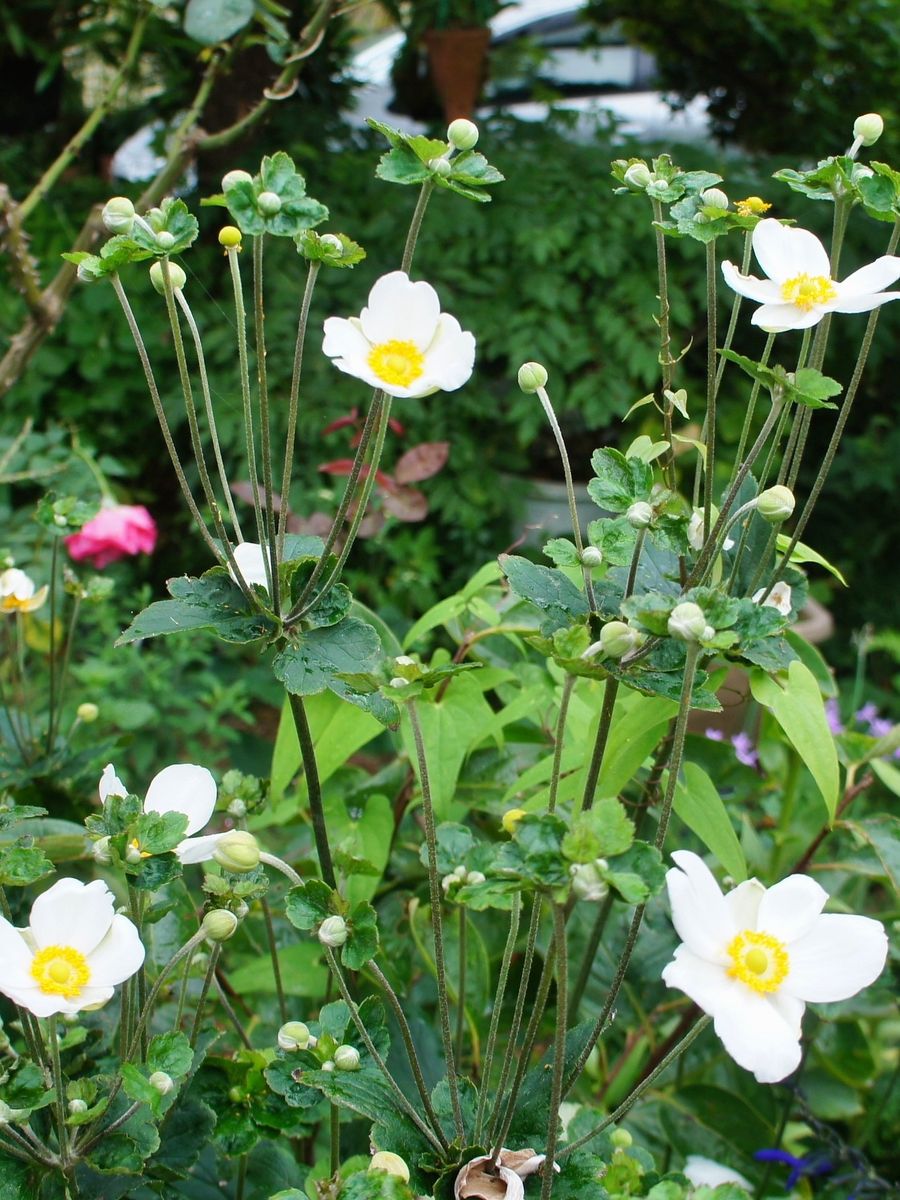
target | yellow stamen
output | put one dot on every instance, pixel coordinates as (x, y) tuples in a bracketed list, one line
[(808, 291), (60, 971), (397, 363), (758, 960), (134, 844), (753, 206)]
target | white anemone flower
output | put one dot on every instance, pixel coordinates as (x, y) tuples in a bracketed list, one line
[(75, 950), (17, 592), (703, 1172), (402, 342), (695, 528), (755, 957), (799, 290), (184, 788), (250, 559), (779, 597)]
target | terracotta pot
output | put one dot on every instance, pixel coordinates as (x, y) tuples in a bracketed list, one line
[(457, 58)]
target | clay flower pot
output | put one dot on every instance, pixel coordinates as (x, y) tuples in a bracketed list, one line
[(457, 59)]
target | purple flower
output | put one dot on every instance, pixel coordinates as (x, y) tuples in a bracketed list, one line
[(867, 713), (809, 1165), (833, 716), (715, 735), (744, 751), (880, 727)]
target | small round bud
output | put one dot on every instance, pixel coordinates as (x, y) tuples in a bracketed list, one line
[(404, 660), (84, 273), (230, 236), (237, 808), (399, 682), (237, 851), (714, 198), (118, 214), (101, 853), (332, 241), (687, 622), (392, 1163), (241, 909), (268, 203), (511, 819), (476, 877), (328, 1065), (176, 275), (133, 853), (77, 1106), (638, 176), (333, 932), (439, 166), (87, 713), (775, 504), (868, 128), (219, 925), (236, 1095), (165, 240), (233, 177), (462, 134), (621, 1139), (587, 880), (639, 515), (294, 1035), (591, 556), (617, 639), (346, 1058), (162, 1082), (532, 375)]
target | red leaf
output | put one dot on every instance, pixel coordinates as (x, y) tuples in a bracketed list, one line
[(343, 466), (406, 504), (421, 462), (343, 422)]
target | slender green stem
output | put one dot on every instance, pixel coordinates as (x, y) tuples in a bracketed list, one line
[(14, 1151), (279, 864), (437, 927), (590, 951), (710, 426), (751, 403), (666, 361), (610, 691), (126, 1116), (415, 225), (215, 951), (241, 1177), (516, 1024), (59, 1088), (66, 659), (461, 985), (264, 427), (230, 1013), (182, 991), (294, 404), (139, 981), (568, 685), (273, 954), (559, 1048), (52, 717), (735, 309), (335, 1128), (497, 1009), (314, 790), (635, 562)]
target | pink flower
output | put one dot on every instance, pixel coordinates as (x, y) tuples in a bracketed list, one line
[(116, 531)]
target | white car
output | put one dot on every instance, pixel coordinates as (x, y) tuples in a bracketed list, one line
[(584, 68)]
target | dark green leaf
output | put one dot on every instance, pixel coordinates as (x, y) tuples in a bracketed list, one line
[(211, 21), (213, 602)]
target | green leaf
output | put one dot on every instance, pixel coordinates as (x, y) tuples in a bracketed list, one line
[(805, 554), (213, 602), (602, 831), (314, 249), (619, 480), (815, 388), (362, 943), (158, 832), (301, 966), (562, 552), (614, 537), (637, 874), (546, 587), (170, 1052), (172, 217), (309, 903), (278, 175), (374, 1185), (402, 165), (882, 833), (23, 865), (138, 1087), (16, 1179), (454, 843), (211, 21), (311, 664), (699, 805)]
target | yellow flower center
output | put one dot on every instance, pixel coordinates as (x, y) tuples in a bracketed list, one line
[(759, 960), (60, 971), (807, 291), (753, 206), (397, 363)]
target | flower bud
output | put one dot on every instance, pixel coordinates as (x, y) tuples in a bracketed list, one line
[(162, 1082), (333, 932), (714, 198), (233, 177), (618, 639), (118, 214), (404, 660), (176, 275), (165, 240), (511, 819), (532, 375), (133, 853), (687, 622), (219, 925), (294, 1035), (591, 557), (462, 135), (476, 877), (439, 166), (328, 1065), (775, 504), (85, 274), (87, 713), (237, 851), (638, 176), (587, 880), (230, 236), (393, 1164), (100, 852), (399, 682), (346, 1058), (753, 206), (868, 128), (639, 514), (237, 808), (268, 203), (621, 1139), (241, 909), (77, 1106), (332, 241)]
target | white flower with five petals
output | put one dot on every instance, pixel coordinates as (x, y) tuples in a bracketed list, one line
[(184, 788), (779, 598), (401, 342), (799, 290), (754, 958)]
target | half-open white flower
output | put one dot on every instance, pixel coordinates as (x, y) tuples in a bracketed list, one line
[(75, 950), (184, 788), (753, 958), (401, 342), (17, 592), (799, 290), (703, 1172), (250, 559), (779, 597)]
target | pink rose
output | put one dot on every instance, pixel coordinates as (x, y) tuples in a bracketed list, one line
[(116, 531)]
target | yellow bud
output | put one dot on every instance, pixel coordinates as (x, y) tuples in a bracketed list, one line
[(511, 819), (230, 236)]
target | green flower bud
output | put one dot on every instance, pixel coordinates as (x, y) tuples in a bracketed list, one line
[(393, 1164), (87, 713), (237, 808), (639, 514), (332, 241), (294, 1035), (328, 1065), (532, 375), (333, 932), (165, 240), (462, 135), (219, 925), (346, 1058), (237, 851), (617, 639), (621, 1139), (241, 909), (230, 236), (398, 682), (176, 275), (439, 166), (268, 203), (868, 128), (714, 198), (101, 852), (77, 1106), (162, 1082), (687, 622), (775, 504), (587, 880), (407, 669), (591, 556), (118, 214), (133, 853), (638, 176), (233, 177)]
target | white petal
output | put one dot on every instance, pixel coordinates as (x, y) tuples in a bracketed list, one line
[(117, 957), (111, 784), (855, 304), (450, 357), (345, 339), (703, 1172), (184, 788), (198, 849), (72, 913), (872, 278), (837, 958), (699, 912), (706, 983), (401, 310), (790, 1008), (15, 958), (791, 908), (250, 563), (761, 290), (37, 1002), (783, 252), (743, 903), (90, 997), (779, 318), (756, 1034)]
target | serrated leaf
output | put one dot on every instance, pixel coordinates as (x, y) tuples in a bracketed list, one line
[(320, 655), (213, 602), (212, 21)]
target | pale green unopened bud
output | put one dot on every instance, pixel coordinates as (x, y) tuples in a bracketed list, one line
[(84, 273), (333, 932), (77, 1106), (101, 852), (162, 1082), (328, 1065), (393, 1164), (230, 236), (591, 556), (241, 909), (399, 682), (219, 925), (638, 176), (462, 134), (621, 1139), (532, 375), (87, 712), (176, 275), (639, 514), (439, 166), (775, 504), (237, 808), (118, 214), (714, 198), (233, 177), (133, 853), (868, 128), (332, 241), (346, 1058), (294, 1035), (618, 639), (587, 880), (268, 203), (237, 851), (687, 622), (476, 877), (165, 240)]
